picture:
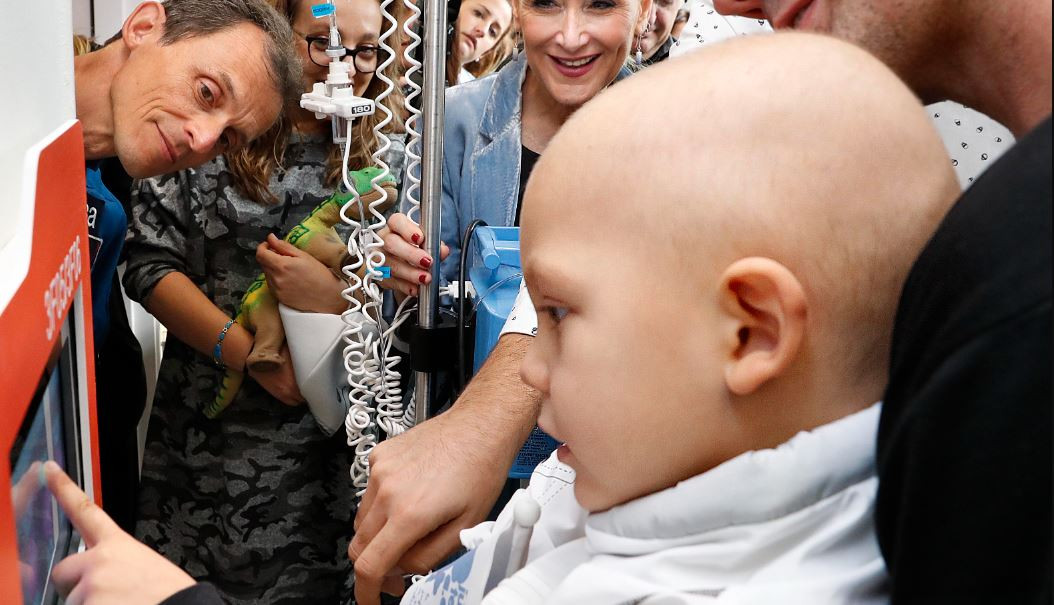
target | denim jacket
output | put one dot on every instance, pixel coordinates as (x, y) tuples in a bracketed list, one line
[(481, 155)]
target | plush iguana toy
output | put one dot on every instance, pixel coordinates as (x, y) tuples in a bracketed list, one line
[(258, 311)]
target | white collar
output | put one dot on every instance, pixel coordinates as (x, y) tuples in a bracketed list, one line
[(753, 487)]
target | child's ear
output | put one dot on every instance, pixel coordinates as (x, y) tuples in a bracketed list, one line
[(766, 307), (145, 23)]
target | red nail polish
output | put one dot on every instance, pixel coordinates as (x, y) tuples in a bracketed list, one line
[(422, 277), (415, 238), (426, 262)]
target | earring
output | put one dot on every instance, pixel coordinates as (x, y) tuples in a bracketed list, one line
[(639, 55)]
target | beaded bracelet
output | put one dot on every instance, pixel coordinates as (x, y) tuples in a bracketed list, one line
[(217, 351)]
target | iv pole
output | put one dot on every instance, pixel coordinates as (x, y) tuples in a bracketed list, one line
[(433, 106)]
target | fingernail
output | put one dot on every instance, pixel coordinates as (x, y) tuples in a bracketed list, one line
[(426, 262), (43, 475), (422, 277), (415, 238)]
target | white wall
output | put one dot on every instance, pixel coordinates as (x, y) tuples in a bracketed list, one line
[(82, 18), (109, 16), (36, 60)]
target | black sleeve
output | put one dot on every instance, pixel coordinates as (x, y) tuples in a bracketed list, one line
[(965, 440), (965, 479), (201, 593)]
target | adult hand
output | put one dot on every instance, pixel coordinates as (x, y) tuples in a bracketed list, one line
[(411, 266), (115, 568), (298, 279), (431, 482), (425, 486), (280, 382)]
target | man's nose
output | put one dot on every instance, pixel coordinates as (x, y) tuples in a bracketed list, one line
[(203, 132), (741, 8)]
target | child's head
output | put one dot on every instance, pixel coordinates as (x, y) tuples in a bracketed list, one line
[(715, 248)]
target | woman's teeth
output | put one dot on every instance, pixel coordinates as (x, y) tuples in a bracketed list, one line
[(574, 62)]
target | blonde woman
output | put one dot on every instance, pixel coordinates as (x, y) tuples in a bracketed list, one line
[(258, 501)]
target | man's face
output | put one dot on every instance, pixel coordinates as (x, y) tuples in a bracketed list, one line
[(623, 382), (182, 104), (665, 13), (903, 34)]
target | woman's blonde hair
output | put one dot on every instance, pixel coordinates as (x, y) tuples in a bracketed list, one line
[(81, 45), (253, 165)]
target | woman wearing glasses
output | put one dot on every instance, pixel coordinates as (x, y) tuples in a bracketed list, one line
[(258, 501)]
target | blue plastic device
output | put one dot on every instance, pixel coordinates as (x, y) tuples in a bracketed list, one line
[(495, 275)]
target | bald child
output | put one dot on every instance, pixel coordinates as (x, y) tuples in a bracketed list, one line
[(714, 327)]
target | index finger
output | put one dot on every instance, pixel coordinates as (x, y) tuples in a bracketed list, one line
[(378, 558), (406, 228), (90, 520)]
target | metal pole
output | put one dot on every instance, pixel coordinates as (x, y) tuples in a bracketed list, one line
[(434, 95)]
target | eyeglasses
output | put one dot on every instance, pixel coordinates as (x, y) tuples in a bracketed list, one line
[(365, 58)]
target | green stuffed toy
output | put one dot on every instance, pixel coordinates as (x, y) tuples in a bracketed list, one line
[(258, 311)]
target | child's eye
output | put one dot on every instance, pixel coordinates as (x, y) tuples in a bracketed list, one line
[(557, 314)]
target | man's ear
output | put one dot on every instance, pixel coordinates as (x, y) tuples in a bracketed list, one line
[(767, 310), (146, 23), (644, 19)]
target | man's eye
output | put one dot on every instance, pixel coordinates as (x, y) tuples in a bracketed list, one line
[(367, 52), (207, 94)]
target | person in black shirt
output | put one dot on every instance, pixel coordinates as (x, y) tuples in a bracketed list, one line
[(964, 444)]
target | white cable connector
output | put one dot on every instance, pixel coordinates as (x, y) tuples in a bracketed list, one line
[(453, 290)]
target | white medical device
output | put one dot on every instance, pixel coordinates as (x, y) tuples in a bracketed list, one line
[(375, 397)]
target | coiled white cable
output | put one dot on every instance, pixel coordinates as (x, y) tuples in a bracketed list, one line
[(375, 396), (413, 144)]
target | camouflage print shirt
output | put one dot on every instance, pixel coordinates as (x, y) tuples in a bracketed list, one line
[(258, 501)]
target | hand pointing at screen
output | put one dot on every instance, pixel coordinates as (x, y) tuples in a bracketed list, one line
[(114, 568)]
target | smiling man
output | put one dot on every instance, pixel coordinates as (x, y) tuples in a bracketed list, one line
[(964, 443), (184, 81)]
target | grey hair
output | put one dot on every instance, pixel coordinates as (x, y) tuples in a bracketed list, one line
[(189, 18)]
